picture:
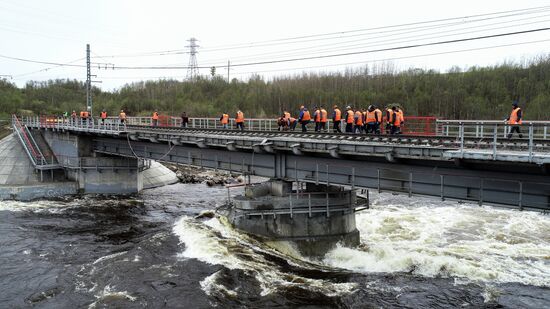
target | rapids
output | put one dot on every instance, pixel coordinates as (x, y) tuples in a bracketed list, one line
[(150, 251)]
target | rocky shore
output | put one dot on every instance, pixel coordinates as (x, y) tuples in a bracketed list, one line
[(192, 174)]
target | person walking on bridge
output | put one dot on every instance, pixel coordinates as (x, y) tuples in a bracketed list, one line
[(358, 120), (224, 120), (371, 119), (304, 118), (349, 119), (378, 114), (239, 120), (336, 119), (184, 120), (324, 119), (514, 120), (397, 120), (73, 118), (317, 118), (103, 116), (122, 117), (155, 119), (389, 119)]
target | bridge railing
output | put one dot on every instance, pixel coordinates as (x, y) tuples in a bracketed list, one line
[(414, 125), (307, 203), (38, 159), (75, 123), (486, 128)]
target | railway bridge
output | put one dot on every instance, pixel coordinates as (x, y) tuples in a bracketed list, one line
[(461, 160)]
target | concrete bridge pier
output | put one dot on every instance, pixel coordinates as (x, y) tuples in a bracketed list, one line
[(315, 217)]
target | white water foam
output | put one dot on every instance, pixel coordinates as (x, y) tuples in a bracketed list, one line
[(215, 242), (108, 293), (445, 239)]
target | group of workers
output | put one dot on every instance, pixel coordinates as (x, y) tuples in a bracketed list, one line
[(356, 121)]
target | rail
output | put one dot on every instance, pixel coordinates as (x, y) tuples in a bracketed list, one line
[(460, 146), (416, 125)]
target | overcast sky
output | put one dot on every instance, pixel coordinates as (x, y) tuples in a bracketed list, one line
[(124, 33)]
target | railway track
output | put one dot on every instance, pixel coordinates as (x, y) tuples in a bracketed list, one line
[(433, 140)]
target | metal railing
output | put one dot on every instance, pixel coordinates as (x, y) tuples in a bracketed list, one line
[(77, 124), (37, 157), (308, 203), (490, 128)]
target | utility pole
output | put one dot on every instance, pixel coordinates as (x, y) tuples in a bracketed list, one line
[(228, 65), (192, 70), (88, 81)]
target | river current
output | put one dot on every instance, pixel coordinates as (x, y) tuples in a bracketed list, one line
[(149, 250)]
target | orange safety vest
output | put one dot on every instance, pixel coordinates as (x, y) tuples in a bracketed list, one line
[(337, 114), (81, 114), (317, 116), (155, 116), (398, 118), (378, 114), (349, 118), (225, 119), (371, 117), (359, 116), (103, 115), (122, 115), (514, 116), (324, 115), (389, 115), (306, 116), (287, 115), (240, 117)]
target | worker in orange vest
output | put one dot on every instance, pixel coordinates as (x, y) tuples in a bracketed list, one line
[(155, 118), (514, 120), (324, 119), (378, 114), (389, 119), (103, 116), (317, 118), (336, 119), (397, 121), (239, 120), (371, 119), (122, 116), (358, 120), (304, 118), (224, 120), (349, 119)]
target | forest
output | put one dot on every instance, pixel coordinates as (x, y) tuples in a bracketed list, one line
[(473, 93)]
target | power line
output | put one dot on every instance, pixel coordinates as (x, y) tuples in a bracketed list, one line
[(374, 43), (397, 58), (462, 19), (346, 54)]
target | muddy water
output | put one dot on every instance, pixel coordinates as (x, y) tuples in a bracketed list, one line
[(150, 251)]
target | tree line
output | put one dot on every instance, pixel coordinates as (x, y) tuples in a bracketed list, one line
[(473, 93)]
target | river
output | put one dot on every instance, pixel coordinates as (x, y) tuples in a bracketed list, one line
[(149, 250)]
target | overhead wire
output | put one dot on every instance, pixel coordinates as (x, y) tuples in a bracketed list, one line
[(316, 49), (281, 40)]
